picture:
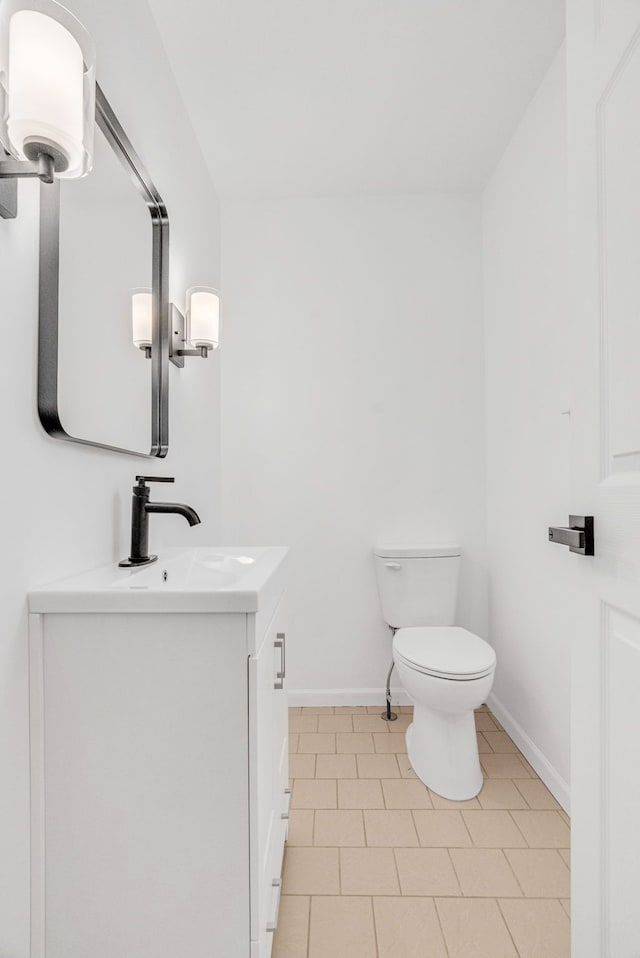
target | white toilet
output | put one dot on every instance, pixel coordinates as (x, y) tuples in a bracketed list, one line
[(447, 671)]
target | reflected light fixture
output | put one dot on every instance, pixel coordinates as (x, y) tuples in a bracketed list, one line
[(194, 336), (142, 319), (47, 96)]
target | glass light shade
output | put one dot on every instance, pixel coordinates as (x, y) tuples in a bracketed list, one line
[(47, 74), (203, 317), (142, 317)]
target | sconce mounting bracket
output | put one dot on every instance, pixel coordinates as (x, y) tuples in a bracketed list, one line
[(12, 170), (8, 199), (177, 340)]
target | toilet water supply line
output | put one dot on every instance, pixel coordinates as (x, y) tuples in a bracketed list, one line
[(388, 715)]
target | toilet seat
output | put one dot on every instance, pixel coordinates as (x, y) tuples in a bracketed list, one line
[(445, 652)]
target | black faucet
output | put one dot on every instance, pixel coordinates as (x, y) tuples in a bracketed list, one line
[(140, 509)]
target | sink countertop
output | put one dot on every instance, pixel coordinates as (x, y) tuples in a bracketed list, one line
[(204, 579)]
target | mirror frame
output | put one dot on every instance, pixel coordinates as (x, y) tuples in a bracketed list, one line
[(48, 309)]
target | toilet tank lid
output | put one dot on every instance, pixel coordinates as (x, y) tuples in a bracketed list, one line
[(417, 552)]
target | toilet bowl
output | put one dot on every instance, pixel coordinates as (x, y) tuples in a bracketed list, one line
[(446, 670)]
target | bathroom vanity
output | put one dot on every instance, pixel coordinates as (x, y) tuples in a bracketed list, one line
[(159, 757)]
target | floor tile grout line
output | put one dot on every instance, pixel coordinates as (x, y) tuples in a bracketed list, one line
[(464, 822), (504, 918), (524, 797), (415, 827), (441, 926), (559, 808), (513, 871), (364, 827), (309, 926), (375, 927), (395, 865), (553, 811), (412, 812), (510, 811), (458, 879), (331, 894)]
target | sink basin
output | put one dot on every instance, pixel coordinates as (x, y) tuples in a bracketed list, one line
[(206, 579), (194, 570)]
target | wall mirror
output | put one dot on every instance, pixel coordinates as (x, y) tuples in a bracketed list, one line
[(101, 237)]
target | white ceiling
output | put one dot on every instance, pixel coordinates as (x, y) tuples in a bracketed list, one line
[(292, 97)]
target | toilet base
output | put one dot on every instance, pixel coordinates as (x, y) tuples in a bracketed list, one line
[(443, 751)]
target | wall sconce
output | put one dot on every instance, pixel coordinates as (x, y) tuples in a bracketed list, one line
[(195, 336), (203, 317), (47, 96)]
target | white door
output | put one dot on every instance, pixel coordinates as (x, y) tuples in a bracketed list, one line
[(603, 50)]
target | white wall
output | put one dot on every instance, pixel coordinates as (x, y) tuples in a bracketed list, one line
[(527, 395), (353, 407), (65, 508)]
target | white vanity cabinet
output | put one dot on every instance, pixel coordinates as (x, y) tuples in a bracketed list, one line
[(159, 764)]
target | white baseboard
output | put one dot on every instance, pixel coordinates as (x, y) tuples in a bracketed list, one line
[(554, 781), (329, 697)]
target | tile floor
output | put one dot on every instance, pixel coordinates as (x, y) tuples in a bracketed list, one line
[(378, 866)]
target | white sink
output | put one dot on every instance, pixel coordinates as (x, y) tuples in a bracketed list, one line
[(192, 570), (206, 579)]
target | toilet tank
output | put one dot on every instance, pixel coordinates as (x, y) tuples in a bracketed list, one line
[(418, 585)]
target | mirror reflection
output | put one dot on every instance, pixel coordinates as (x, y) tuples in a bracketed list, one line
[(104, 386)]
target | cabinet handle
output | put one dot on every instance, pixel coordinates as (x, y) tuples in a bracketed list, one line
[(277, 884), (285, 814), (281, 636), (279, 682), (280, 676)]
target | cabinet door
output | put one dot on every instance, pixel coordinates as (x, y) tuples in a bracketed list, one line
[(140, 786), (268, 783)]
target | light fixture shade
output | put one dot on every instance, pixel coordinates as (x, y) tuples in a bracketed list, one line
[(203, 317), (142, 317), (47, 71)]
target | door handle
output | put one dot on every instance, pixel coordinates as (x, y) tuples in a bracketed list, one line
[(564, 536), (578, 535)]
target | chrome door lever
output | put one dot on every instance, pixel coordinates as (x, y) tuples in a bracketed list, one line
[(574, 538), (578, 535)]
